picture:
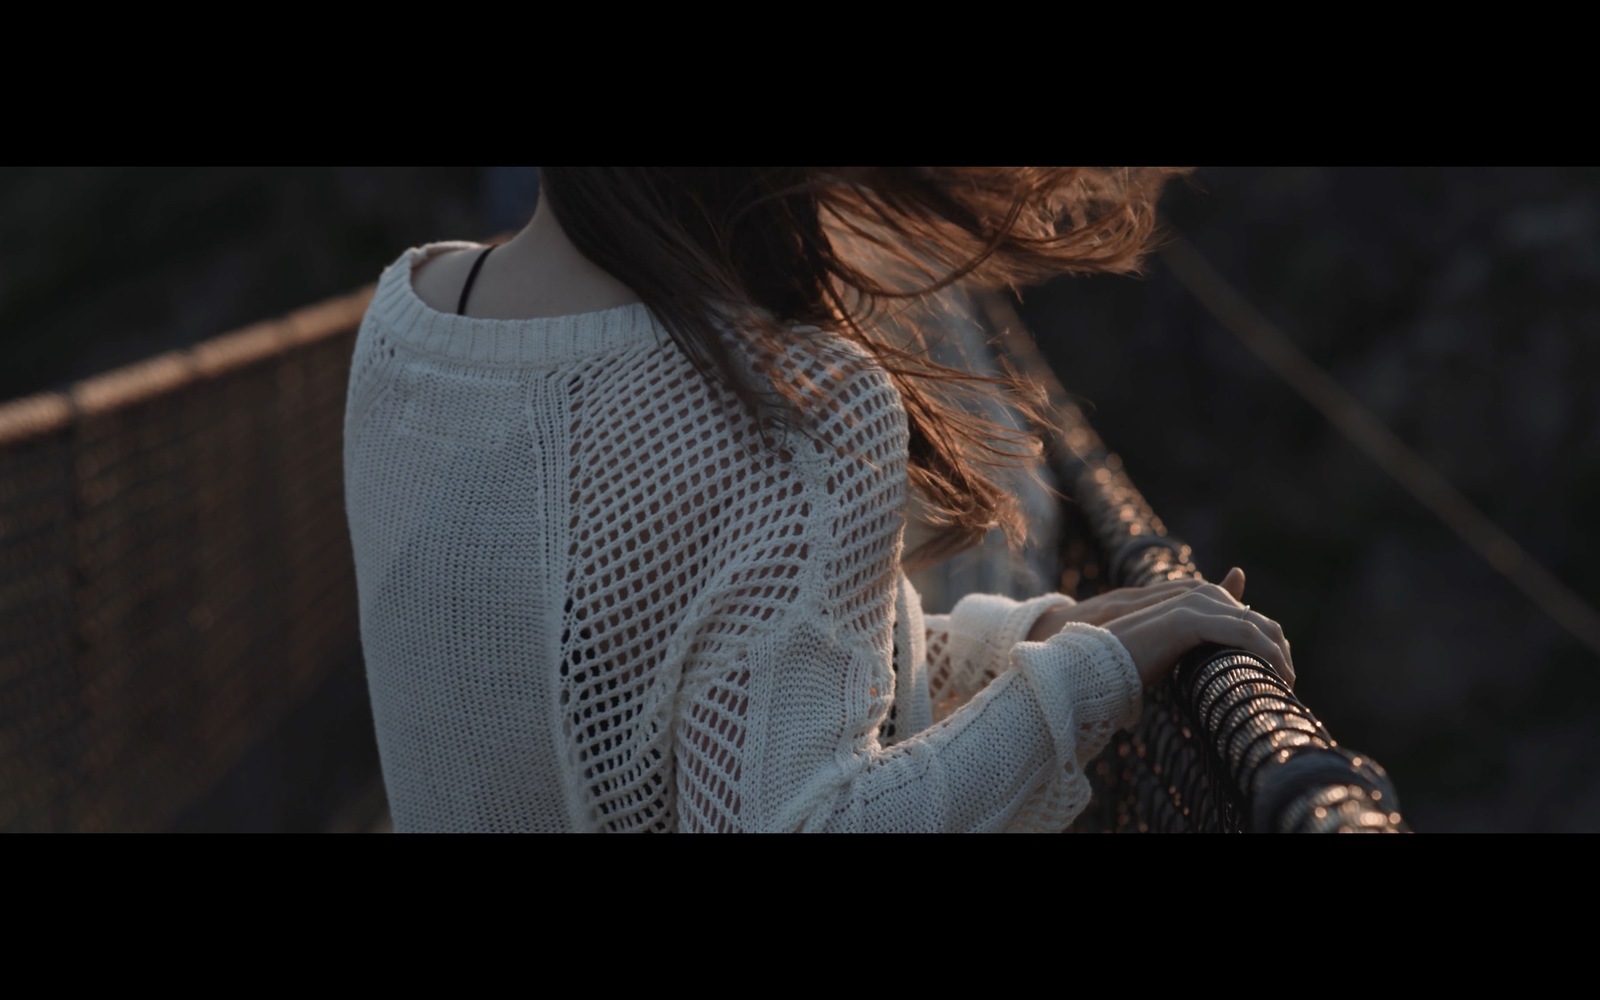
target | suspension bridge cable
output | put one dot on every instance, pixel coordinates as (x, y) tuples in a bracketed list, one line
[(1369, 434)]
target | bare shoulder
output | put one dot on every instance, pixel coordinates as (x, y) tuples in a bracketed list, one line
[(438, 280)]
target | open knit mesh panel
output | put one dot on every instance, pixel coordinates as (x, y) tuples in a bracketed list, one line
[(681, 511)]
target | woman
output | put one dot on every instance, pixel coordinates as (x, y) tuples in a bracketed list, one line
[(628, 496)]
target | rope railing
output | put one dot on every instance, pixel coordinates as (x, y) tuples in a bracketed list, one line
[(175, 571), (1223, 744)]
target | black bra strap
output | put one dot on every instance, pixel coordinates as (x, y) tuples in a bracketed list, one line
[(461, 309)]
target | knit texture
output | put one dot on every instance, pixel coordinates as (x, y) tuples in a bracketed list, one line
[(593, 597)]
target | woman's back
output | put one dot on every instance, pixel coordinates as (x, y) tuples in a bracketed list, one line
[(594, 597), (451, 487)]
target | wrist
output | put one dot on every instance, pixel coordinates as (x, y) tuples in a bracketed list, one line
[(1049, 623)]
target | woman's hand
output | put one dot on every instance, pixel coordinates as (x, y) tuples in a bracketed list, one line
[(1114, 604), (1159, 623)]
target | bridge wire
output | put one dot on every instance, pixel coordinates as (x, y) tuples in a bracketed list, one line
[(1380, 444)]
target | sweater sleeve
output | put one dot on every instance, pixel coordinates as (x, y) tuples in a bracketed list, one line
[(785, 739), (971, 646)]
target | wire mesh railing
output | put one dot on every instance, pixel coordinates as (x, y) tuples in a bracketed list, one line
[(1223, 744), (175, 570)]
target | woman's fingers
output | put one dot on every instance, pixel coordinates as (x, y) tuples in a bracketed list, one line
[(1157, 635), (1233, 583), (1261, 625), (1274, 632), (1126, 600), (1217, 603), (1238, 629), (1249, 635), (1155, 593)]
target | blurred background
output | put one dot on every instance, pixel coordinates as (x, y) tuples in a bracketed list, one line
[(1458, 305)]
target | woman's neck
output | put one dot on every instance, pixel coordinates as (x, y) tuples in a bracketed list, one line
[(540, 273)]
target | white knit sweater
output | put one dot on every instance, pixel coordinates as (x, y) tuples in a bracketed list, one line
[(593, 599)]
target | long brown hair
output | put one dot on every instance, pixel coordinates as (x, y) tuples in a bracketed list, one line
[(826, 247)]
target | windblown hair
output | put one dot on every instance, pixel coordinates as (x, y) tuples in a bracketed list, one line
[(826, 248)]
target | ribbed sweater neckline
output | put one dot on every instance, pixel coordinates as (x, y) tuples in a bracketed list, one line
[(502, 342)]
